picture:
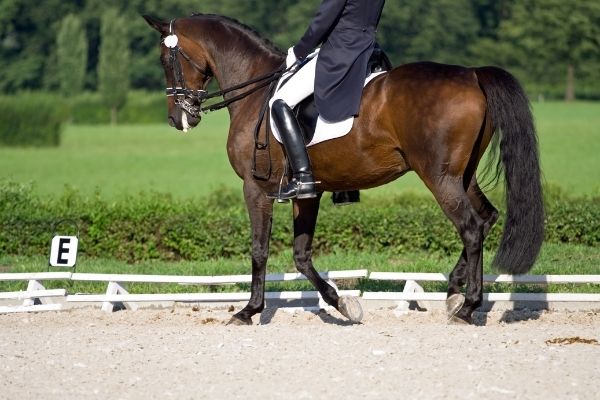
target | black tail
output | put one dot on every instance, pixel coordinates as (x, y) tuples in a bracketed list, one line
[(510, 113)]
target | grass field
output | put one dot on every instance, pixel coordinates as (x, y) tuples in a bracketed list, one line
[(132, 159)]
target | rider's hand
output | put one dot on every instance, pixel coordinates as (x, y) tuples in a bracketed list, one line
[(291, 58)]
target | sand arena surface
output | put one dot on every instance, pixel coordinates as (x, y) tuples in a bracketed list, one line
[(180, 353)]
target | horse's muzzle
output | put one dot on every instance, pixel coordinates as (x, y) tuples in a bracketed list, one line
[(181, 120)]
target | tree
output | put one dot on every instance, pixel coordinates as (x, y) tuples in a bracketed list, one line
[(113, 65), (436, 30), (490, 13), (27, 38), (71, 51), (294, 22), (543, 42), (550, 41)]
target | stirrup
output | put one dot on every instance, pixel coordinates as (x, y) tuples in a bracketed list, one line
[(310, 195), (294, 191), (277, 196)]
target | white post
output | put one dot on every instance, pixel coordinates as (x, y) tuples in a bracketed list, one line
[(403, 305), (116, 288), (32, 286)]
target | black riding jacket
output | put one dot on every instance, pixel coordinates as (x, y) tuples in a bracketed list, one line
[(345, 29)]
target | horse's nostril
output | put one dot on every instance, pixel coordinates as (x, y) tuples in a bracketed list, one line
[(172, 121)]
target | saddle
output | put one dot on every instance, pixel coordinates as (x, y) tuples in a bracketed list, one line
[(306, 111), (307, 115)]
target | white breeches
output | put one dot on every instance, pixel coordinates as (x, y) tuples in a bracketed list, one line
[(299, 86)]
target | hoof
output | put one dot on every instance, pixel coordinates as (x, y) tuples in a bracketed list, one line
[(350, 308), (453, 304), (240, 321), (461, 318), (456, 320)]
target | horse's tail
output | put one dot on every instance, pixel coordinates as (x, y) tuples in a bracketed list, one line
[(511, 117)]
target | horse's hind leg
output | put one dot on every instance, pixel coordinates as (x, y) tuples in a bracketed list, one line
[(456, 204), (483, 206), (260, 209), (305, 220), (489, 214)]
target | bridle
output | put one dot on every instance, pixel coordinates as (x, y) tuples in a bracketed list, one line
[(191, 100)]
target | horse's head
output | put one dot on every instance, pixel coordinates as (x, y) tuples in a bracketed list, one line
[(187, 73)]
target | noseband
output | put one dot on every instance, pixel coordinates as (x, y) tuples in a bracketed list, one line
[(191, 100)]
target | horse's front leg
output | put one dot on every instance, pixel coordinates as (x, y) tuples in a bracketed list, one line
[(305, 220), (260, 209)]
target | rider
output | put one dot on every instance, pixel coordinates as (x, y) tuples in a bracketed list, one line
[(346, 30)]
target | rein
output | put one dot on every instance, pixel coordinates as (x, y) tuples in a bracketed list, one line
[(187, 98), (265, 79)]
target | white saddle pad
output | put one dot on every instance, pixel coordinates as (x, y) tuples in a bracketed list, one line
[(326, 130)]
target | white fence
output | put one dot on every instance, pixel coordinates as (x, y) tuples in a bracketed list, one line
[(413, 291), (37, 298)]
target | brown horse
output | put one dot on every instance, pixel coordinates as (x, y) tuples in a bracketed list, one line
[(436, 120)]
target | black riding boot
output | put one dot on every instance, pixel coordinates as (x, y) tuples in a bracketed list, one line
[(302, 184)]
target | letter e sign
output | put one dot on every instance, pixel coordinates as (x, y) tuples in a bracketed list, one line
[(63, 251)]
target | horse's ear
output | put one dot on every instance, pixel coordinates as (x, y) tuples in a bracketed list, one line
[(159, 25)]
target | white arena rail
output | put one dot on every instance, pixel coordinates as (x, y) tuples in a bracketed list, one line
[(36, 297), (116, 291), (414, 292)]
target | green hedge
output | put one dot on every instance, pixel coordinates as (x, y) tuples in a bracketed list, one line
[(37, 118), (32, 119), (141, 108), (154, 226)]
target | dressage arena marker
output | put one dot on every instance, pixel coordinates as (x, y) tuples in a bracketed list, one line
[(413, 292), (63, 249)]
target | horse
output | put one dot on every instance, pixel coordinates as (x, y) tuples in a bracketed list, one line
[(434, 119)]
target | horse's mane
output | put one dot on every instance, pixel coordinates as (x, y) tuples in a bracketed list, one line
[(251, 32)]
